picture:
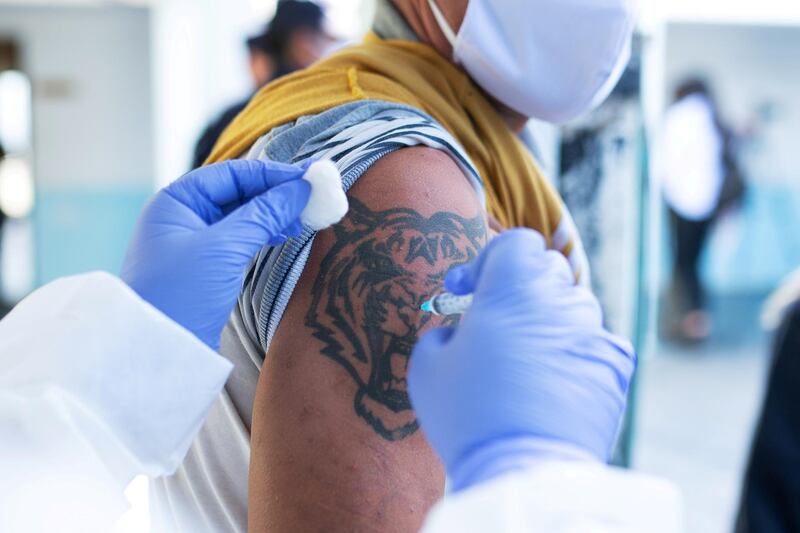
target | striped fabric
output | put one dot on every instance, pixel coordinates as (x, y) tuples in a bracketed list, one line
[(354, 143), (360, 134), (354, 147)]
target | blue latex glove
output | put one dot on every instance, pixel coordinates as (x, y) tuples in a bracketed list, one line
[(529, 374), (196, 237)]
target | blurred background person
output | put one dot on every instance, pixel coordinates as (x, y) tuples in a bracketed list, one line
[(700, 179), (294, 39)]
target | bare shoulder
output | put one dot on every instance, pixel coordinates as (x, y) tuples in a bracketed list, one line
[(421, 176), (413, 216), (332, 409)]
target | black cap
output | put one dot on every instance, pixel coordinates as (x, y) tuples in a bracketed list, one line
[(290, 16)]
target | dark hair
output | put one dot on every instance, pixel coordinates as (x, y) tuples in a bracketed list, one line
[(290, 16), (698, 86), (692, 86)]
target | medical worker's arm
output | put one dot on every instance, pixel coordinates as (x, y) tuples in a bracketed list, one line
[(523, 400), (110, 382), (336, 445), (195, 238), (94, 383)]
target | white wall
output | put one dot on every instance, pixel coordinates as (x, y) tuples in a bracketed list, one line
[(91, 100), (200, 65), (93, 161), (772, 12)]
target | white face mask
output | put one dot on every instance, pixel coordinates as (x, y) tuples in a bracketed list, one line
[(547, 59)]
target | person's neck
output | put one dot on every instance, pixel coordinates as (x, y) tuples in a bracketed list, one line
[(417, 17), (515, 120)]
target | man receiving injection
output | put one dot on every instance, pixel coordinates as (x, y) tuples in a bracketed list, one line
[(521, 401)]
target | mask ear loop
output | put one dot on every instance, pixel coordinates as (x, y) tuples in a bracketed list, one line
[(449, 34)]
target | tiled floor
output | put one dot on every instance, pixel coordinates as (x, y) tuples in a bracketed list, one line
[(696, 411)]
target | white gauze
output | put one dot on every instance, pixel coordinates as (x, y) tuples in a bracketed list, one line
[(327, 204)]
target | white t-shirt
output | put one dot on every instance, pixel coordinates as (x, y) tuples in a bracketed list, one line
[(692, 170)]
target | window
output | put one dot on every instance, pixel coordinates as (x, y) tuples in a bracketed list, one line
[(16, 179)]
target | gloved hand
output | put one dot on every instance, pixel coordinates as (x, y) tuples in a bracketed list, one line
[(195, 239), (529, 374)]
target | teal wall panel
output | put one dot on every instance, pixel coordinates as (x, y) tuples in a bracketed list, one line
[(81, 230), (753, 252), (761, 246)]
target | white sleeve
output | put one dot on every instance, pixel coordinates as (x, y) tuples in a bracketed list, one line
[(130, 382), (562, 497), (692, 172)]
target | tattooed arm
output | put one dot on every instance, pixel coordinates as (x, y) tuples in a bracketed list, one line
[(335, 443)]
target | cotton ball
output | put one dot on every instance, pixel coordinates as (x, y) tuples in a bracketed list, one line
[(327, 203)]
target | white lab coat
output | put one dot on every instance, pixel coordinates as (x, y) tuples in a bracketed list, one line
[(562, 497), (97, 386)]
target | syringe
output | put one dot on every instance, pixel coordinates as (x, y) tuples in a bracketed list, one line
[(447, 304)]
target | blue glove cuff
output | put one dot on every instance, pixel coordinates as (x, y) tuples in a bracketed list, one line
[(499, 457)]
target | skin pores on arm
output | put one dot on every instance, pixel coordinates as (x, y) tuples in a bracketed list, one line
[(335, 443)]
